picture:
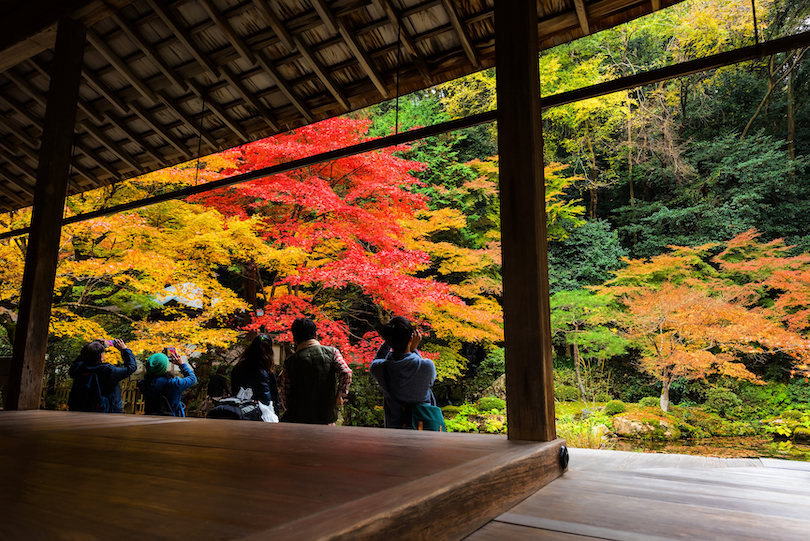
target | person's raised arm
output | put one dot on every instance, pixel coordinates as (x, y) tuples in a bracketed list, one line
[(344, 374), (130, 365), (189, 377)]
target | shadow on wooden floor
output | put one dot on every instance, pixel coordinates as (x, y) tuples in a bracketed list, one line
[(104, 476)]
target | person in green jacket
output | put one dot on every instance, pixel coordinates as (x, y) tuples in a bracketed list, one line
[(314, 380)]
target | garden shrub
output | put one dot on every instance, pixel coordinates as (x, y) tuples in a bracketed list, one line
[(791, 414), (566, 393), (363, 404), (603, 397), (460, 423), (489, 403), (614, 407), (650, 402), (724, 402), (801, 435), (449, 411), (490, 369)]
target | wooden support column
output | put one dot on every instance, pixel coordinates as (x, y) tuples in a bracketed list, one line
[(529, 376), (28, 364)]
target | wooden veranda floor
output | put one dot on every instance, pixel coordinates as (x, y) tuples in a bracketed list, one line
[(614, 495), (85, 476)]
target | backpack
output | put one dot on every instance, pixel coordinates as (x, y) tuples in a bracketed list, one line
[(86, 395), (158, 405), (236, 409)]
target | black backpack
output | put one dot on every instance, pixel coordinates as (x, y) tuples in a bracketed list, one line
[(236, 409), (86, 395), (158, 405)]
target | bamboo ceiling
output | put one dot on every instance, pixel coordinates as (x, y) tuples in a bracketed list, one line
[(165, 80)]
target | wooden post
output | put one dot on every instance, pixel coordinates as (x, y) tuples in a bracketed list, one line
[(529, 375), (28, 364)]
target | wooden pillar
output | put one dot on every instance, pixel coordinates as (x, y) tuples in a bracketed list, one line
[(527, 321), (28, 364)]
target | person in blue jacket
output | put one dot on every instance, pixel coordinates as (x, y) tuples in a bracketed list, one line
[(91, 362), (255, 371), (404, 376), (162, 392)]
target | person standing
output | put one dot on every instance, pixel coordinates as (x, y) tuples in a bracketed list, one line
[(162, 392), (255, 371), (314, 379), (404, 376), (95, 383)]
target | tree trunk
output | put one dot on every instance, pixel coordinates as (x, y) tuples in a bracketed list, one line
[(665, 396), (580, 386), (791, 117)]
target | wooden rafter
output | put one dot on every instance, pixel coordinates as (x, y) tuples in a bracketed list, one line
[(137, 82), (102, 88), (226, 28), (582, 16), (98, 160), (112, 146), (249, 97), (19, 132), (13, 180), (21, 166), (135, 138), (293, 43), (161, 130), (88, 109), (151, 53), (218, 110), (184, 36), (395, 18), (335, 25), (285, 87), (190, 123), (461, 32)]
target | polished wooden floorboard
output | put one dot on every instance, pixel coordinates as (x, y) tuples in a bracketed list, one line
[(101, 476), (614, 495)]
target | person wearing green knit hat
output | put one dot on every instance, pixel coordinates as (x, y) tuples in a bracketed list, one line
[(162, 391)]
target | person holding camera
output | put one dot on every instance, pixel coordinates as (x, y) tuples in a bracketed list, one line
[(162, 392), (403, 375), (95, 383)]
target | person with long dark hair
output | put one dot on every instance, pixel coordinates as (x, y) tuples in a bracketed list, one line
[(256, 371)]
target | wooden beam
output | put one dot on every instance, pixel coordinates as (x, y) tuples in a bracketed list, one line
[(121, 67), (31, 338), (275, 23), (395, 18), (98, 160), (22, 110), (13, 197), (249, 97), (112, 146), (16, 181), (135, 138), (218, 110), (462, 34), (335, 25), (324, 76), (293, 43), (88, 109), (527, 315), (285, 87), (19, 132), (230, 34), (21, 166), (23, 84), (582, 15), (102, 88), (656, 5), (190, 123), (150, 52), (183, 35), (161, 130)]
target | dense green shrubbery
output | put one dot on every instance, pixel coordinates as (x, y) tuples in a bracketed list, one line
[(650, 402), (490, 369), (614, 407), (490, 403), (566, 393), (364, 404)]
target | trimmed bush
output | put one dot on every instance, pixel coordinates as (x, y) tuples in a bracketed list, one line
[(722, 401), (614, 407), (603, 397), (451, 410), (566, 393), (791, 414), (801, 435), (650, 402), (489, 403)]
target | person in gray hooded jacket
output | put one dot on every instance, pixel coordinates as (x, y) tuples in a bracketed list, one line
[(403, 375)]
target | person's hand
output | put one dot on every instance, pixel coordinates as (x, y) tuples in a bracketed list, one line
[(339, 400), (175, 358), (416, 338), (119, 344)]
